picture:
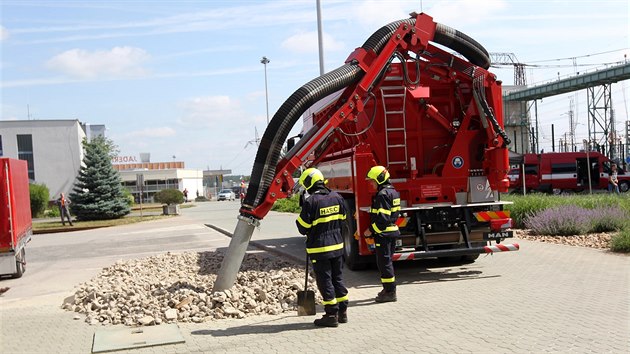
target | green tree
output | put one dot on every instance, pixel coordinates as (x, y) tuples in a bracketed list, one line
[(98, 193), (39, 194)]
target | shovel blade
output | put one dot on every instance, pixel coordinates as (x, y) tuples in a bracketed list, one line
[(306, 303)]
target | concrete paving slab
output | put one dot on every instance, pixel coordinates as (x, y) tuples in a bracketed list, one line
[(121, 337)]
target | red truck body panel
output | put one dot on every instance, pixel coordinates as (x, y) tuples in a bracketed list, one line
[(15, 213)]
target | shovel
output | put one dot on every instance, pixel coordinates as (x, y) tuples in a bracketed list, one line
[(306, 298)]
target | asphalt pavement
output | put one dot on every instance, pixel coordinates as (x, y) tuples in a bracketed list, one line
[(543, 298)]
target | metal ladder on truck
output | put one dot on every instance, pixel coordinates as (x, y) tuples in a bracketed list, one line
[(395, 123)]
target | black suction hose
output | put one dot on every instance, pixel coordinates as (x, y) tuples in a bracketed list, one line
[(268, 154), (283, 121)]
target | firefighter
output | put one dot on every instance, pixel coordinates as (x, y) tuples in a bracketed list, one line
[(322, 219), (383, 214)]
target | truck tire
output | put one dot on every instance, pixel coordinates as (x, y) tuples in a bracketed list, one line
[(624, 186), (353, 260), (20, 260)]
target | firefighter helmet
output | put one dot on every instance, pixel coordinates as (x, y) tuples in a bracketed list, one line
[(378, 174), (310, 177)]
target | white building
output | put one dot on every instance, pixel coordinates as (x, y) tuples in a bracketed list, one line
[(156, 180), (54, 152), (52, 149)]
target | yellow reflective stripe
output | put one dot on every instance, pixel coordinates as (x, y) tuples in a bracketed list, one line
[(381, 210), (329, 219), (343, 298), (391, 228), (329, 302), (325, 248), (387, 229), (396, 208), (303, 223), (396, 202), (388, 280)]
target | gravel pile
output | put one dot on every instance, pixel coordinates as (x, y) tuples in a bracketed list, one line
[(172, 288), (599, 240)]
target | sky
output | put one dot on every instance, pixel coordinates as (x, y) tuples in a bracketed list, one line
[(183, 80)]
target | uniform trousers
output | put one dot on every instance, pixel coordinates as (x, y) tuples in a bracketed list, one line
[(330, 284), (385, 247)]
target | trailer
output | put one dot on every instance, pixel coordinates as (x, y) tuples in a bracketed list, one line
[(15, 216)]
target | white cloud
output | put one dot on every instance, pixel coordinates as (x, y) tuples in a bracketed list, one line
[(454, 13), (158, 132), (307, 42), (457, 13), (374, 14), (117, 62), (4, 34), (212, 112)]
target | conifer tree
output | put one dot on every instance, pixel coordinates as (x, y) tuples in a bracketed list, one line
[(98, 193)]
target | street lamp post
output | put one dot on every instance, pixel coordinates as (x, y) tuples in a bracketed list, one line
[(266, 61)]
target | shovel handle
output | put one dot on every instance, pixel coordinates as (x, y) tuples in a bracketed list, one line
[(306, 276)]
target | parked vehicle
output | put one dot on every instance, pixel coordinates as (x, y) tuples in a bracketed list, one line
[(226, 194), (15, 216), (568, 172), (434, 119)]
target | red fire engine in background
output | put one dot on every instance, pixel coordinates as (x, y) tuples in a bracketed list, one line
[(431, 117), (566, 172)]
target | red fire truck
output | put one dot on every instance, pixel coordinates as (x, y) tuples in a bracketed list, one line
[(15, 216), (566, 172), (433, 118)]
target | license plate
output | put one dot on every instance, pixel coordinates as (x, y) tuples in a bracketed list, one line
[(398, 242), (497, 235)]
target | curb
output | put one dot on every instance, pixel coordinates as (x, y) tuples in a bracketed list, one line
[(259, 245)]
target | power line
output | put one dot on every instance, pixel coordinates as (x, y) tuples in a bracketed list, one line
[(580, 56)]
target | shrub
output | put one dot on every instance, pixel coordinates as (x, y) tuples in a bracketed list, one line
[(525, 206), (52, 213), (201, 199), (169, 196), (621, 241), (39, 194), (561, 221), (531, 204), (607, 219), (128, 196), (287, 205)]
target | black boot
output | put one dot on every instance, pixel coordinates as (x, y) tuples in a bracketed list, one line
[(327, 321), (386, 296), (342, 317)]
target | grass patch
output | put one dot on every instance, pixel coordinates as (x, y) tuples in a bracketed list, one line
[(56, 225)]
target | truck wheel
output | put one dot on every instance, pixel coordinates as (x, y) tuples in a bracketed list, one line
[(353, 260), (624, 186), (20, 260)]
